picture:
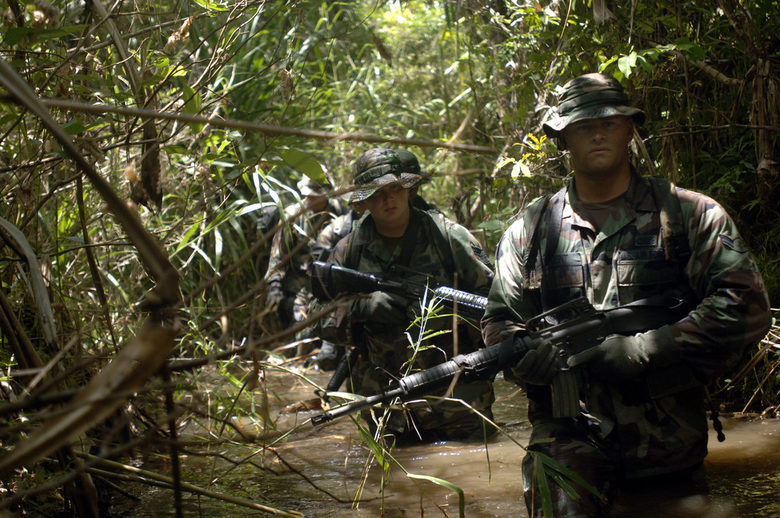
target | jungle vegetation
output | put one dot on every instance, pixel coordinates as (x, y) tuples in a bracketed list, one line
[(142, 144)]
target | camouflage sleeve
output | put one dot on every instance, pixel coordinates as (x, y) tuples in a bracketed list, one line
[(276, 267), (733, 312), (325, 241), (507, 308)]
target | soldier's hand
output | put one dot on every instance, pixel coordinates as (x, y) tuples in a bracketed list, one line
[(538, 366), (626, 357), (274, 296), (380, 307)]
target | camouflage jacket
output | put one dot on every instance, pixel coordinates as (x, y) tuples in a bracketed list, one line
[(389, 348), (298, 238), (658, 420)]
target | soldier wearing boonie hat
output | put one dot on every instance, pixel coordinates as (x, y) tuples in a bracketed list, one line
[(400, 243), (638, 420), (288, 296)]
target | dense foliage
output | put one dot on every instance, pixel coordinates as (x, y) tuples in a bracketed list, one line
[(202, 114)]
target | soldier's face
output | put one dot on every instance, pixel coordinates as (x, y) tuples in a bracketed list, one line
[(599, 146), (389, 205), (316, 203)]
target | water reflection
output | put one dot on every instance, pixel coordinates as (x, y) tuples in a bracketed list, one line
[(743, 472)]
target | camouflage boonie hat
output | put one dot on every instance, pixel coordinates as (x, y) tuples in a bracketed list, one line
[(376, 168), (590, 96)]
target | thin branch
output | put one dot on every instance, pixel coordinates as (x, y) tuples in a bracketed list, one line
[(266, 129)]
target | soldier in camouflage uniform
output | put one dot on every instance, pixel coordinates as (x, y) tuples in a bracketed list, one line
[(287, 275), (393, 234), (615, 237), (329, 354)]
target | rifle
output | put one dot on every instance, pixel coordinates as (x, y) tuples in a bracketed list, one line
[(573, 327), (329, 280)]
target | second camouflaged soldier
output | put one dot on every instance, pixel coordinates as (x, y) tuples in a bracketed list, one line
[(615, 238), (288, 293), (394, 237)]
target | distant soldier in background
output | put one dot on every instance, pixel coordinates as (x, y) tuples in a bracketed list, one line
[(288, 294)]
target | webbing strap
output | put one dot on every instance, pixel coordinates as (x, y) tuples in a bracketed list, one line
[(531, 222), (554, 224), (676, 246)]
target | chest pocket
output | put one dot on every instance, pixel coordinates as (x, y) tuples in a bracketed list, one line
[(563, 279), (642, 272)]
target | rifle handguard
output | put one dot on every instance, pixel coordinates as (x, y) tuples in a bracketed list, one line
[(476, 365)]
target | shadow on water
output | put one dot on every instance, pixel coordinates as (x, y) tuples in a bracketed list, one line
[(320, 473)]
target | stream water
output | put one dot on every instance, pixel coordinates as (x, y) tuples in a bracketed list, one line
[(743, 472)]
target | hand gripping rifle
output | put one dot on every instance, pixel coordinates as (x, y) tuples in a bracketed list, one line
[(572, 327), (329, 280)]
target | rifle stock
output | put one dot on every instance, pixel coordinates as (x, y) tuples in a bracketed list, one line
[(572, 327)]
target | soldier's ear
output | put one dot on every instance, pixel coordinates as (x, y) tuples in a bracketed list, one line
[(631, 130), (561, 142)]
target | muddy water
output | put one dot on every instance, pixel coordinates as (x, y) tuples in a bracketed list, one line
[(743, 472)]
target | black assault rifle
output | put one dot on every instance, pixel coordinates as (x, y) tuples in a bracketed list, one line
[(571, 327), (330, 280)]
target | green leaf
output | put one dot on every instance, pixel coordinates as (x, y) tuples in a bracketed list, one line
[(375, 447), (192, 105), (305, 163), (74, 127), (210, 6), (541, 482), (520, 168), (448, 485), (492, 225), (624, 66), (188, 236), (645, 64)]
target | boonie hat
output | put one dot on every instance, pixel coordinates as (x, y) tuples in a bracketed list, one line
[(590, 96), (376, 168), (308, 187)]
